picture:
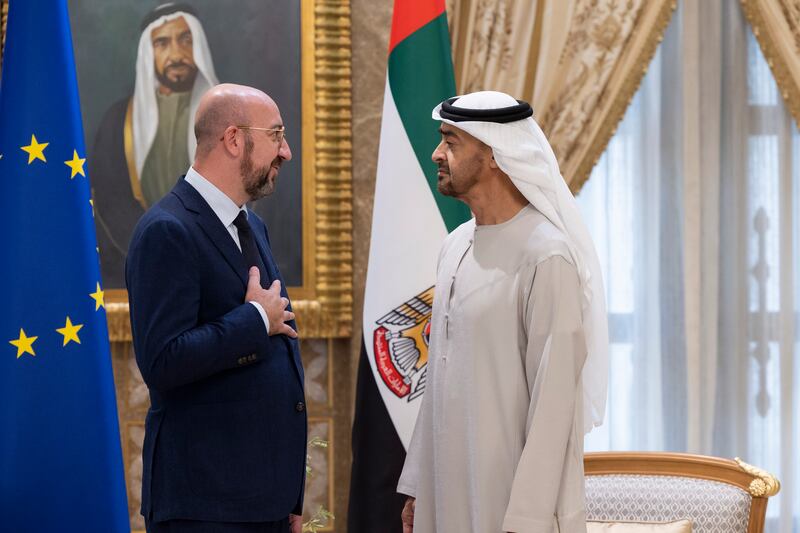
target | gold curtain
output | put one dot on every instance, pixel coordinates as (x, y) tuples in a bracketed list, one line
[(776, 25), (579, 63)]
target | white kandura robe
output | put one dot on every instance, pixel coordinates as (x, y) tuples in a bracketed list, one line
[(498, 444)]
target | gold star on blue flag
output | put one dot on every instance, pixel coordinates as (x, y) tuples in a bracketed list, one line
[(60, 446)]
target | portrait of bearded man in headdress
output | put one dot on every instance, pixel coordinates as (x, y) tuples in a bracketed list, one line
[(142, 67), (145, 140)]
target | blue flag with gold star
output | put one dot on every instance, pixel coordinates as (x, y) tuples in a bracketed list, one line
[(60, 458)]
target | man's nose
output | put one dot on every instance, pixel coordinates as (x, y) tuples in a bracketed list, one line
[(175, 51), (438, 154), (284, 151)]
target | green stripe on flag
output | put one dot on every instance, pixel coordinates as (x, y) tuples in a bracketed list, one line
[(420, 77)]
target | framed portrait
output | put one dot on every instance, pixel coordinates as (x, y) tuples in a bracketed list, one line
[(142, 66)]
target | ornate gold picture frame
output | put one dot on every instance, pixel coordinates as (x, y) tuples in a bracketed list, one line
[(323, 303), (3, 17)]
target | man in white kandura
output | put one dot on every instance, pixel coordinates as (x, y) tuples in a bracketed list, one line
[(519, 340)]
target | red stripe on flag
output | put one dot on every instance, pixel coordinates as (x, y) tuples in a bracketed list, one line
[(411, 15)]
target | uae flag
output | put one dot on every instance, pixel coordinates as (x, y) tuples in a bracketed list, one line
[(409, 222)]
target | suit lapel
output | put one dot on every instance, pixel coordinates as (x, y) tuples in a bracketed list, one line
[(218, 234), (212, 227), (266, 253), (259, 231), (269, 262)]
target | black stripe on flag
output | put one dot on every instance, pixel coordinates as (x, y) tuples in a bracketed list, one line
[(378, 457)]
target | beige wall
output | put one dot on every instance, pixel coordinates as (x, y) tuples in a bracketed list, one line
[(371, 20)]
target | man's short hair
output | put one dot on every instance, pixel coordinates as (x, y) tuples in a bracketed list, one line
[(214, 119)]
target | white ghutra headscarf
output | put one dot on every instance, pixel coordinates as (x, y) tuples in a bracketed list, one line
[(521, 150), (145, 107)]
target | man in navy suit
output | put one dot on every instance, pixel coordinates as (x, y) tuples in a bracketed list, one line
[(214, 335)]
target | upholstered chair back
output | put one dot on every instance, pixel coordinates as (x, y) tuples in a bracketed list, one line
[(717, 495)]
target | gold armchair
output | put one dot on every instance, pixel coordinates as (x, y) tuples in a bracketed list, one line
[(717, 495)]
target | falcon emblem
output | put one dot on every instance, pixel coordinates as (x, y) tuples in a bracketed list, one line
[(400, 344)]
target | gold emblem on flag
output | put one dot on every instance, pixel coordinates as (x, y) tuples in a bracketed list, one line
[(400, 343)]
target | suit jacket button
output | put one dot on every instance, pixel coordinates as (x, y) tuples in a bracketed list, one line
[(300, 407)]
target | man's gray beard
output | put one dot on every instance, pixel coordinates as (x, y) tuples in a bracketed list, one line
[(259, 188), (257, 184)]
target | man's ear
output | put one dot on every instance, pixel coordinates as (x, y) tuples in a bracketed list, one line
[(231, 141), (492, 162)]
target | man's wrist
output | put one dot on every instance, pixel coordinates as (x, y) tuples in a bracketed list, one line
[(261, 312)]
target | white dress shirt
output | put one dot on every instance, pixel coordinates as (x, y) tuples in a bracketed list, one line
[(226, 210)]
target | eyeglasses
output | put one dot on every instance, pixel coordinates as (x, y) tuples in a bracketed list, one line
[(278, 134)]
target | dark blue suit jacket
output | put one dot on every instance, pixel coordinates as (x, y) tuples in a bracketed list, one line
[(225, 436)]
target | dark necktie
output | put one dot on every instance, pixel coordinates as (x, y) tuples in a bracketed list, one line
[(249, 249)]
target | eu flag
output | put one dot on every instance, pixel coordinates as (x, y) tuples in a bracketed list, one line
[(60, 459)]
